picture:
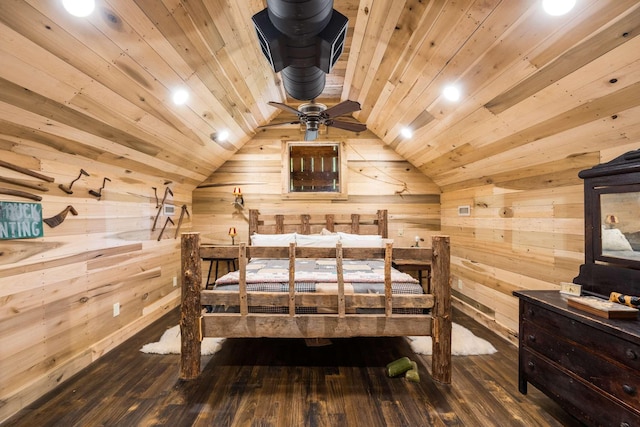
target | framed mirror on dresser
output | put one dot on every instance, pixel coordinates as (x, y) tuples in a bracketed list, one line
[(589, 361), (612, 227)]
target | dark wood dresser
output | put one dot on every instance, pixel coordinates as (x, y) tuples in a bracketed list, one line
[(589, 365)]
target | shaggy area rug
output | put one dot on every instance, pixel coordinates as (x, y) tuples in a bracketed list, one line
[(463, 343), (170, 344)]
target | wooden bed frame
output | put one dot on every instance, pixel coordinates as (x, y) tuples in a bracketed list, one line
[(342, 321)]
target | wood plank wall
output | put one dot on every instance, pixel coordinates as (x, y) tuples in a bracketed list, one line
[(378, 178), (525, 231), (57, 292)]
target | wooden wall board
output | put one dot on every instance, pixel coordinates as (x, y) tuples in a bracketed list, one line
[(58, 291), (370, 166)]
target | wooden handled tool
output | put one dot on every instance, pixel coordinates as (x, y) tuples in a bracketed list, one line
[(19, 193), (56, 220), (169, 220), (22, 183), (98, 193), (25, 171), (155, 192), (184, 210), (68, 189), (167, 190)]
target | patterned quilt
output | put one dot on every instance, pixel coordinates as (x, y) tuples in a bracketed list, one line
[(319, 275)]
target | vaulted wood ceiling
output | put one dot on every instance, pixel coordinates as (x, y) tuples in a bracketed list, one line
[(101, 86)]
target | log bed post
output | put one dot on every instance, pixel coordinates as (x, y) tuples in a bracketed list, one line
[(388, 295), (340, 275), (383, 229), (441, 322), (242, 282), (253, 222), (190, 318), (292, 279)]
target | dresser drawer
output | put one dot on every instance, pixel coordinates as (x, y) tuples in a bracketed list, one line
[(622, 351), (578, 397), (619, 381)]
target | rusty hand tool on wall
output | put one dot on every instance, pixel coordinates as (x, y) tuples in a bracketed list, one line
[(167, 190), (155, 192), (68, 189), (98, 193), (182, 212), (19, 193), (56, 220), (25, 171), (169, 220)]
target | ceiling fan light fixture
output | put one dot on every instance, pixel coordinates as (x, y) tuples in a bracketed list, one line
[(558, 7), (313, 114), (79, 8)]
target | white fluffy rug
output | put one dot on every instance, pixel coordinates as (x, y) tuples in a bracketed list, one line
[(170, 344), (463, 343)]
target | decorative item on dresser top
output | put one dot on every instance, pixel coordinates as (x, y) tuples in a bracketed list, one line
[(309, 279), (578, 354)]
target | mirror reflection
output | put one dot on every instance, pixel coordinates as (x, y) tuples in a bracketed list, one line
[(620, 223)]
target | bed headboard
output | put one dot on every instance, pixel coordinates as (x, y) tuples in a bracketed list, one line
[(314, 223)]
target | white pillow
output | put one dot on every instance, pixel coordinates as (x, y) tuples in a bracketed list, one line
[(317, 240), (614, 240), (273, 239), (360, 240), (326, 232), (368, 237)]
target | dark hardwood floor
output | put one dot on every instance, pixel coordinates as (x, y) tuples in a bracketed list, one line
[(271, 382)]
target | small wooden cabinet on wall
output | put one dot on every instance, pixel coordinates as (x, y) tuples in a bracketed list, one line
[(589, 364)]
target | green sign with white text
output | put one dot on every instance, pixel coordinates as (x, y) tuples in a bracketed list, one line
[(20, 220)]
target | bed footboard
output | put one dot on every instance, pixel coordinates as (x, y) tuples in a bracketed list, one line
[(343, 322)]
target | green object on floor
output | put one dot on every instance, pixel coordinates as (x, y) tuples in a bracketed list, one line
[(412, 374), (398, 367)]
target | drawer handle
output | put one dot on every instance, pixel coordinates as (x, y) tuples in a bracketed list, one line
[(531, 365), (631, 354), (629, 389), (530, 312), (625, 424), (532, 338)]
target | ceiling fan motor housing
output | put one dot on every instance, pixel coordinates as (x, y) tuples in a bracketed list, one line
[(304, 40)]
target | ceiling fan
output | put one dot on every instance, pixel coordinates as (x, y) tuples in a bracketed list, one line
[(314, 114)]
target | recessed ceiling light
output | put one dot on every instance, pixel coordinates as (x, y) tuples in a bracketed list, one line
[(79, 8), (558, 7), (223, 135), (452, 93), (180, 96), (406, 133)]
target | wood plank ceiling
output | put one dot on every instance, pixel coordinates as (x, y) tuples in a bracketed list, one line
[(101, 86)]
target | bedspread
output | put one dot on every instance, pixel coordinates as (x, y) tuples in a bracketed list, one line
[(318, 276), (312, 273)]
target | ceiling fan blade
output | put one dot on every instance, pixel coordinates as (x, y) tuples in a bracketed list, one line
[(354, 127), (311, 135), (295, 122), (342, 108), (284, 107)]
